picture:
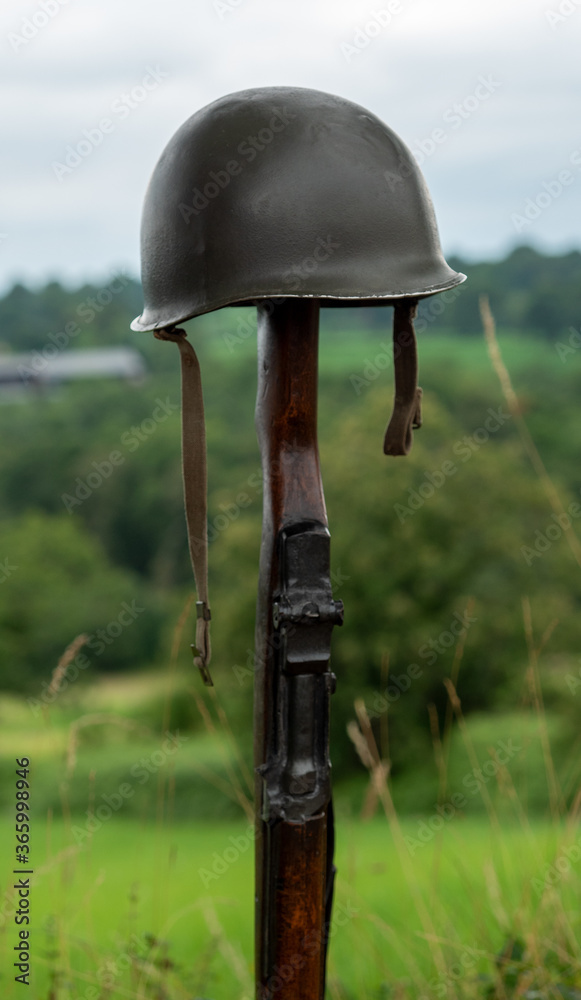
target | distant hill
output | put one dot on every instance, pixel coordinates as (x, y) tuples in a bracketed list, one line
[(528, 291), (90, 316)]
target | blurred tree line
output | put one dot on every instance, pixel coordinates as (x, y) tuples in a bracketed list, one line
[(426, 551), (530, 291)]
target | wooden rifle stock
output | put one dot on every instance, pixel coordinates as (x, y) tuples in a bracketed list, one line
[(295, 617)]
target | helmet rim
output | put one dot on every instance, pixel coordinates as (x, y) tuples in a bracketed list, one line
[(329, 168)]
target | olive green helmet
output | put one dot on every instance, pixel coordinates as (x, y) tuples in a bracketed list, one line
[(285, 192), (276, 193)]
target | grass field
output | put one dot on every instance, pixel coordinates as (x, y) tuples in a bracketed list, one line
[(129, 901), (409, 919), (138, 894), (232, 336)]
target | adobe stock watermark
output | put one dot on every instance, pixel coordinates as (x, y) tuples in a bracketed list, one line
[(245, 328), (112, 969), (503, 752), (572, 682), (120, 108), (544, 540), (225, 7), (142, 770), (464, 449), (131, 440), (230, 512), (434, 307), (45, 12), (98, 642), (222, 861), (549, 192), (429, 651), (6, 570), (442, 984), (249, 148), (298, 273), (562, 12), (87, 311), (294, 278), (244, 498), (560, 867), (396, 687), (573, 345), (254, 661), (453, 119), (364, 34)]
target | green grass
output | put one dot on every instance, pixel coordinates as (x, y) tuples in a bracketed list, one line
[(144, 881), (154, 901), (136, 903), (232, 337)]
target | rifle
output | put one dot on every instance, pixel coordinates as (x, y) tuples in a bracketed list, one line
[(294, 621)]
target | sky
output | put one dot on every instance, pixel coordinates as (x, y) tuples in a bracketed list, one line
[(486, 93)]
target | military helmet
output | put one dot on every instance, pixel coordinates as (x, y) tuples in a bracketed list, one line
[(284, 192), (280, 193)]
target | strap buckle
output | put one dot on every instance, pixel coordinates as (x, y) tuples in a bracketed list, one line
[(203, 614), (203, 611)]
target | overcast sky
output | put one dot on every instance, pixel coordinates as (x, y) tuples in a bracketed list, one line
[(498, 82)]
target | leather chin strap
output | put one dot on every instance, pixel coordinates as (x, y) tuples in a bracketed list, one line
[(195, 489), (406, 416), (407, 404)]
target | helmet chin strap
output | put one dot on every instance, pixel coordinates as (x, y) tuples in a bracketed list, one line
[(407, 404), (406, 416), (195, 489)]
